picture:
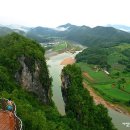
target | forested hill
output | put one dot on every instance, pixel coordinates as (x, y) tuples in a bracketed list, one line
[(81, 34), (5, 31), (24, 60), (24, 77)]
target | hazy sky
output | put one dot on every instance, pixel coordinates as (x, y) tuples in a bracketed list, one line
[(52, 13)]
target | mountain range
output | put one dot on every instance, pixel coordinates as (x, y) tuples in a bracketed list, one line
[(120, 27), (80, 34)]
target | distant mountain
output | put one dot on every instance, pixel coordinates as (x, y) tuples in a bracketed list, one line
[(121, 27), (67, 26), (5, 31), (42, 31), (19, 32), (64, 27), (81, 34), (42, 34), (18, 27)]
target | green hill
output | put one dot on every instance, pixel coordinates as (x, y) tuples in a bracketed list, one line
[(116, 61), (5, 30), (24, 77)]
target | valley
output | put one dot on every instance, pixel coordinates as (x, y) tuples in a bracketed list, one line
[(113, 86), (93, 78), (115, 111), (103, 67), (64, 65)]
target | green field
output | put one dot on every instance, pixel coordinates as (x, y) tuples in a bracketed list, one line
[(104, 86), (123, 46), (65, 46), (60, 46), (99, 77), (127, 88), (113, 94)]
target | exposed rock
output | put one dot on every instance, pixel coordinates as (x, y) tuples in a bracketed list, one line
[(30, 80), (65, 80)]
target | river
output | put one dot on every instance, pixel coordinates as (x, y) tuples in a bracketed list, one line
[(55, 68)]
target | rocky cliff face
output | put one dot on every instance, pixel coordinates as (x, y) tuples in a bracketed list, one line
[(65, 80), (30, 80)]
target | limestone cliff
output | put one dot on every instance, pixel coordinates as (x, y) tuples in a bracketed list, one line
[(65, 80), (30, 79)]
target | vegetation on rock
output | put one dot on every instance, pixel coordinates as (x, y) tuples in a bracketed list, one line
[(79, 104)]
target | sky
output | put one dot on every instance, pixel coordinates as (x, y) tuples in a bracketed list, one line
[(52, 13)]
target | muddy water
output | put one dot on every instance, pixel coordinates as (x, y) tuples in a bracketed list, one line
[(55, 70)]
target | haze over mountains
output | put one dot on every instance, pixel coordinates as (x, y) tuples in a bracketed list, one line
[(120, 27), (80, 34)]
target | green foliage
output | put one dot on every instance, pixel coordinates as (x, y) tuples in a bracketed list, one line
[(126, 52), (5, 80), (113, 94), (80, 106), (96, 56), (115, 86), (99, 77), (61, 46), (14, 46), (111, 57), (34, 114)]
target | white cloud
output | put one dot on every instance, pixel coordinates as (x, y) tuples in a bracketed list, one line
[(56, 12)]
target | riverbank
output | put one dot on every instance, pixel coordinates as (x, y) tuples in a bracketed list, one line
[(64, 47), (67, 61), (99, 100), (55, 67)]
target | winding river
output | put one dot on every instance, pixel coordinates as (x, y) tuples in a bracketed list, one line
[(120, 120)]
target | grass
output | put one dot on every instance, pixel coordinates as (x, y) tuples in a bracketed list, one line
[(123, 46), (66, 46), (113, 93), (60, 46), (99, 77), (103, 85), (127, 88)]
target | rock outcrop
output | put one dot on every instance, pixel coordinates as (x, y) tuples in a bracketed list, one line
[(65, 80), (30, 79)]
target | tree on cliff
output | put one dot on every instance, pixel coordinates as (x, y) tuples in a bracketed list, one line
[(17, 55), (79, 104)]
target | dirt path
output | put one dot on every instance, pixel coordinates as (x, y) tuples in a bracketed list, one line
[(99, 100), (85, 74)]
